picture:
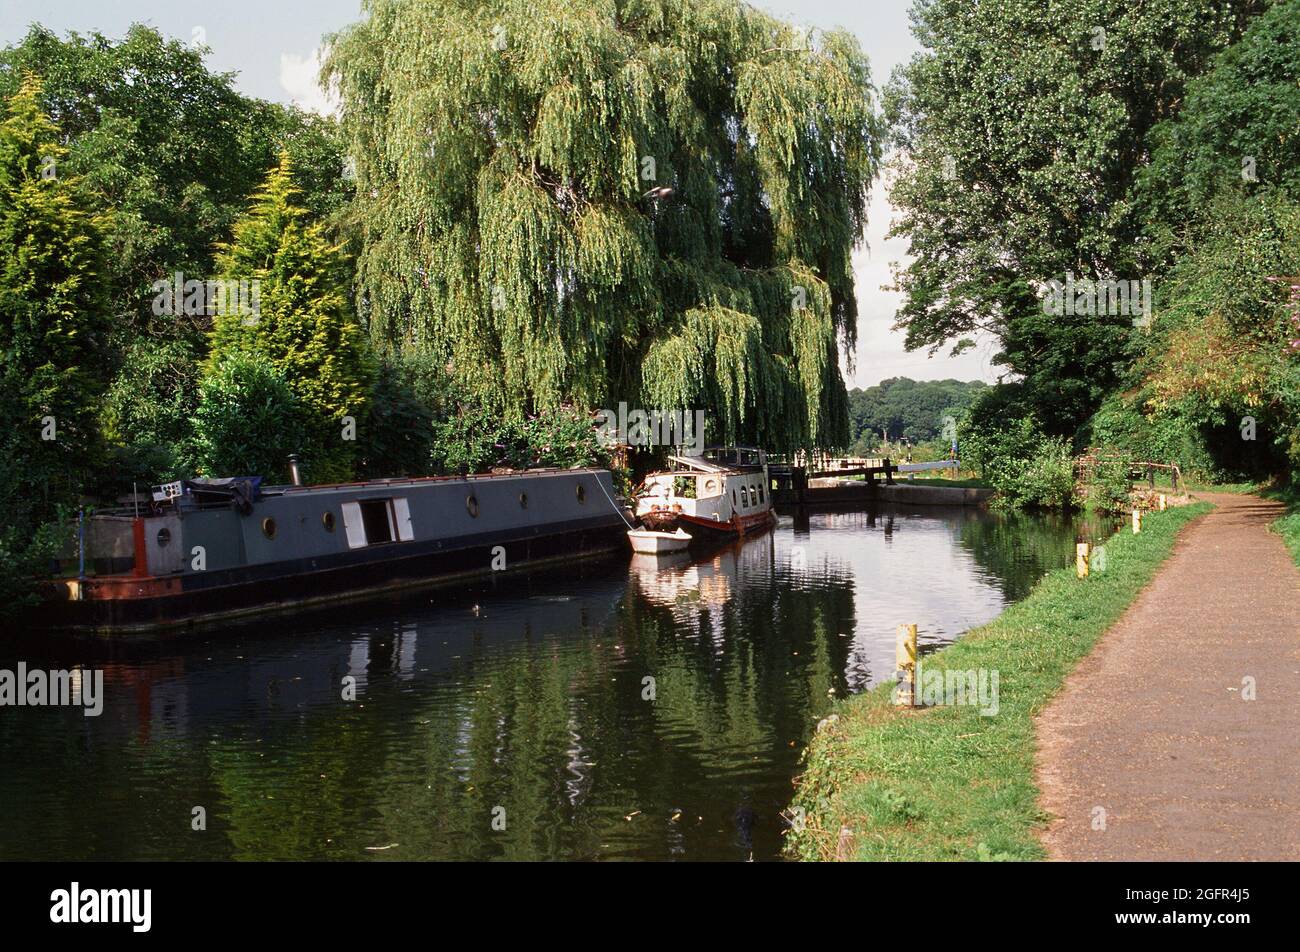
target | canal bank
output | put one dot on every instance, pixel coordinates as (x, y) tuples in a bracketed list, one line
[(956, 781)]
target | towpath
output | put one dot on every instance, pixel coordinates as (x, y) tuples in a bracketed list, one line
[(1154, 727)]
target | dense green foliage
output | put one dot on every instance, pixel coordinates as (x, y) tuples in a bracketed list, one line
[(1016, 457), (53, 335), (396, 438), (1022, 129), (1235, 130), (1156, 141), (945, 782), (247, 421), (506, 159), (147, 409), (899, 408), (168, 150), (1226, 345), (302, 323), (475, 439)]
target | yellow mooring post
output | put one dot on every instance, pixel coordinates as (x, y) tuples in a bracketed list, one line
[(1081, 551), (905, 662), (1164, 502), (1137, 521)]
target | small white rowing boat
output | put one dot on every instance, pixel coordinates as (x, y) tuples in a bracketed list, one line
[(647, 542)]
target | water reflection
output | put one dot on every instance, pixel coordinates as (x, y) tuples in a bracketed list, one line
[(627, 709)]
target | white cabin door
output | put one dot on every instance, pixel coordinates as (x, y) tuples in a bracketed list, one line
[(356, 529), (402, 516)]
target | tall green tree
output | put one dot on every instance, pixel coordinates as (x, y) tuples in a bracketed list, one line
[(1221, 201), (296, 313), (53, 330), (167, 149), (1237, 130), (650, 200), (1022, 127)]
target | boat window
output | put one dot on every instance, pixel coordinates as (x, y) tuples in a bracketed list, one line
[(760, 495), (164, 536), (523, 500), (744, 497), (327, 520), (471, 505), (268, 528), (376, 518), (581, 493), (733, 497)]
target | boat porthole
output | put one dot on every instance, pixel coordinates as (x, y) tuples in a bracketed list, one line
[(164, 536), (582, 493), (327, 520), (471, 506), (710, 484), (523, 500), (268, 528)]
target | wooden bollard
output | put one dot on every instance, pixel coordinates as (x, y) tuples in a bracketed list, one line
[(1137, 521), (905, 663), (1164, 502), (1081, 552)]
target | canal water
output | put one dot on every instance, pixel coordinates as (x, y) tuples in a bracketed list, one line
[(626, 709)]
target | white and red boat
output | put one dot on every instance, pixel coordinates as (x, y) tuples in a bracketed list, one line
[(724, 493)]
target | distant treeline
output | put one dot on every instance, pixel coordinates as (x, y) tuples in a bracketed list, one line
[(903, 409)]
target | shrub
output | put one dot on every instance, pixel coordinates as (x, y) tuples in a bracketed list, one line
[(247, 421), (1025, 466), (473, 438)]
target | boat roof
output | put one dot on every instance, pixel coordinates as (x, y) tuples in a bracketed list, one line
[(696, 462), (701, 465)]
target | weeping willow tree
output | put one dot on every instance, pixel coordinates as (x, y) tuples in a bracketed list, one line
[(589, 201)]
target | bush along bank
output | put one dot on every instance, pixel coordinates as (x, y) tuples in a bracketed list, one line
[(954, 780)]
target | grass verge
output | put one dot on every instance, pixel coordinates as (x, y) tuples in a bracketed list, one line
[(946, 782), (1288, 527)]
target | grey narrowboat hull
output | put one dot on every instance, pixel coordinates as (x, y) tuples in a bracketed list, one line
[(305, 546)]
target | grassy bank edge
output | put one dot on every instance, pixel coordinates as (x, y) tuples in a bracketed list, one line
[(947, 783), (1288, 526)]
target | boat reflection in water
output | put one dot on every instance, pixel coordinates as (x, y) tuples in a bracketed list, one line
[(652, 709)]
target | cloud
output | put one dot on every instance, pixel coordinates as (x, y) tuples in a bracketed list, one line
[(298, 77)]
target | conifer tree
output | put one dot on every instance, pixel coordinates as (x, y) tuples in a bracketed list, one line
[(301, 321)]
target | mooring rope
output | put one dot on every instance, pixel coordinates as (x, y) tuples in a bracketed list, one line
[(614, 504)]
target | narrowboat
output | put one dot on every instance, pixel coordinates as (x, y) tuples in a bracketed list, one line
[(726, 493), (210, 550)]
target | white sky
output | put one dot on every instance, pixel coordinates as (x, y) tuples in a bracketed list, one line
[(272, 46)]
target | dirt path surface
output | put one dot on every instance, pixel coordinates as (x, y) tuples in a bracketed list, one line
[(1153, 727)]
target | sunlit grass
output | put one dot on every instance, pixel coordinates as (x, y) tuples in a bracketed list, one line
[(946, 783), (1288, 527)]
